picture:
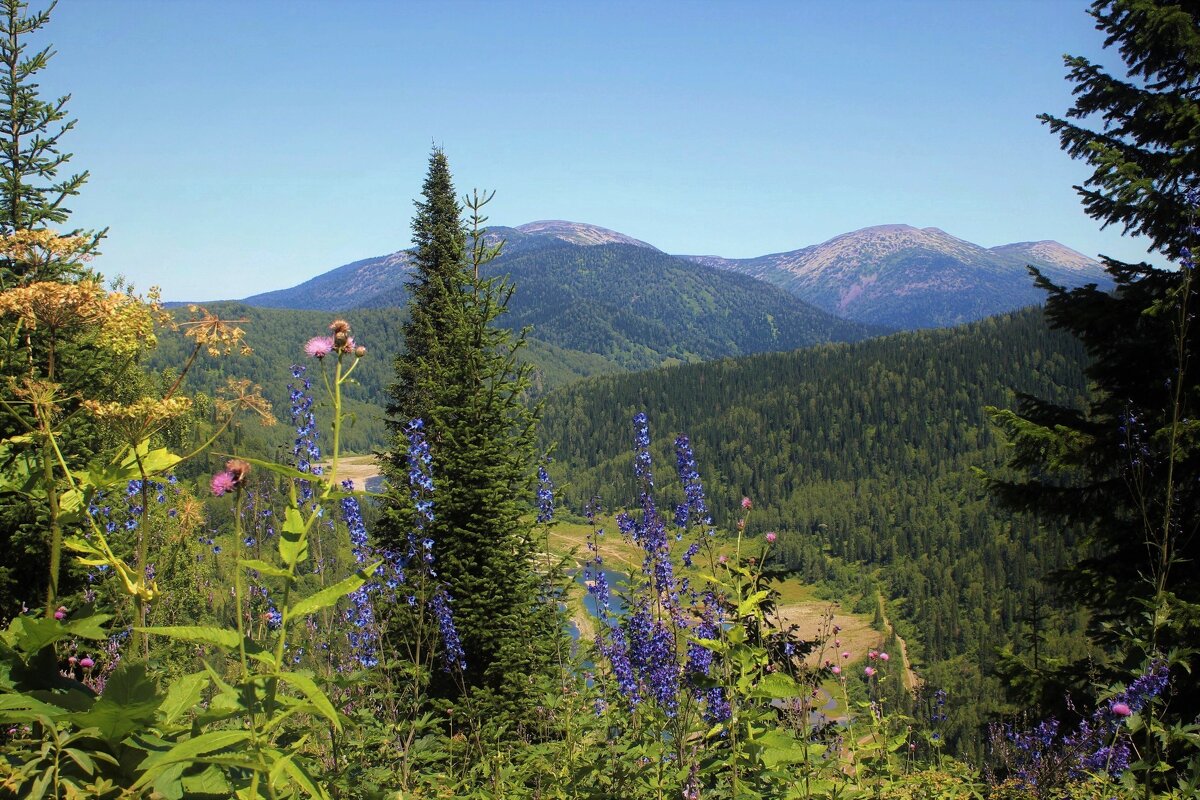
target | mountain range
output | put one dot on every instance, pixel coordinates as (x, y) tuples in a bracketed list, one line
[(904, 277), (886, 276)]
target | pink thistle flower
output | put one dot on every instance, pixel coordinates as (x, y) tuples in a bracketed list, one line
[(1121, 709), (771, 537), (72, 660), (223, 482), (884, 656), (86, 662), (874, 654), (723, 558), (319, 346), (835, 669), (746, 504), (837, 642), (59, 615), (845, 654), (869, 671)]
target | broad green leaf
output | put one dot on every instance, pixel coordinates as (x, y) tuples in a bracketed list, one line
[(183, 694), (70, 506), (129, 702), (19, 707), (81, 758), (196, 633), (154, 462), (716, 645), (188, 750), (90, 627), (330, 595), (264, 568), (749, 606), (776, 685), (293, 539), (41, 785), (169, 782), (298, 774), (303, 682), (211, 781)]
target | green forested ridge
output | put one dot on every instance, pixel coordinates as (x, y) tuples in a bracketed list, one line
[(642, 308), (859, 454)]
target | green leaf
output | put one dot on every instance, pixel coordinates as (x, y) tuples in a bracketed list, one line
[(776, 685), (28, 634), (779, 747), (187, 750), (264, 568), (749, 606), (154, 462), (298, 774), (20, 707), (90, 627), (196, 633), (113, 719), (330, 595), (293, 539), (210, 781), (303, 682), (183, 694)]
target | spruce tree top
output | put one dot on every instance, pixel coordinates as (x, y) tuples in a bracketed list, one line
[(1145, 149), (438, 235)]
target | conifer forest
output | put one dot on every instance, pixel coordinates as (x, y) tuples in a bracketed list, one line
[(522, 522)]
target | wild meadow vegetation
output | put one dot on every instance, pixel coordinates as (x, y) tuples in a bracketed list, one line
[(1007, 514)]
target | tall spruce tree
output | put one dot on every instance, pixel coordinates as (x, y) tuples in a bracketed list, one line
[(459, 374), (32, 199), (1125, 471), (31, 129)]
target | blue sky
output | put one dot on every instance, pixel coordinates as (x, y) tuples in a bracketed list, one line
[(238, 147)]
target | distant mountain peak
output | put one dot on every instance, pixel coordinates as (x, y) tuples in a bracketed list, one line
[(1048, 252), (580, 233)]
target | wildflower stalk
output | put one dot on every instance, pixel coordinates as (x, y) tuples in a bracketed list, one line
[(239, 584)]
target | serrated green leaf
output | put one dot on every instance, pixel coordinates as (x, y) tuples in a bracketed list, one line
[(779, 747), (303, 682), (81, 758), (169, 782), (90, 627), (220, 637), (210, 781), (330, 595), (129, 702), (188, 750), (293, 538), (301, 777), (182, 695), (749, 606), (20, 707), (776, 685), (264, 568)]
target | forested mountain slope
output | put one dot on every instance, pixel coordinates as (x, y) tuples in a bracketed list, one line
[(641, 308), (856, 454)]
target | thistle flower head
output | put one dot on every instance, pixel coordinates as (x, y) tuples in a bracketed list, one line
[(221, 483), (319, 346)]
